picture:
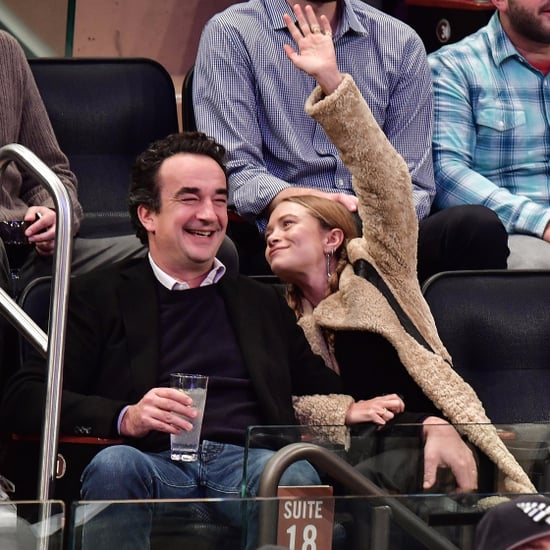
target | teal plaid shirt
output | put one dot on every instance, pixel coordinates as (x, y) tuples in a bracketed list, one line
[(491, 140)]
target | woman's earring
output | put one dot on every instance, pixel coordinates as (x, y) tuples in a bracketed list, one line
[(328, 257)]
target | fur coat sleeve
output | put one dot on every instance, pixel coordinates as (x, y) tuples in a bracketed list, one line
[(382, 183)]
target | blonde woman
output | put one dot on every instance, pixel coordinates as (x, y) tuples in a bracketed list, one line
[(357, 298)]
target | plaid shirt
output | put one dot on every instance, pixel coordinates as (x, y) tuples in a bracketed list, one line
[(250, 98), (492, 136)]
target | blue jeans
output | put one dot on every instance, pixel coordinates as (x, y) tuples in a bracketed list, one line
[(125, 473)]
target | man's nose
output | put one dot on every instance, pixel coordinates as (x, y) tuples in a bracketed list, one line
[(206, 211)]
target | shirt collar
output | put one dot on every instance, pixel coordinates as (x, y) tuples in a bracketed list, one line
[(500, 46), (350, 22), (275, 10), (214, 275)]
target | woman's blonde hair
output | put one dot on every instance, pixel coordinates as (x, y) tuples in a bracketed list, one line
[(330, 214)]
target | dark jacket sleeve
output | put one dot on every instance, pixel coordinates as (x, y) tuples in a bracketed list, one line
[(86, 407)]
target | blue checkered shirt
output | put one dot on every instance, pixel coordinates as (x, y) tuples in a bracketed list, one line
[(250, 97), (491, 135)]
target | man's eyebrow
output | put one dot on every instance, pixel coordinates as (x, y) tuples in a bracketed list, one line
[(197, 191), (187, 190)]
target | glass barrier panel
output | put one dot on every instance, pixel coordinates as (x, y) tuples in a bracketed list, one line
[(530, 445), (393, 457), (26, 525), (395, 522)]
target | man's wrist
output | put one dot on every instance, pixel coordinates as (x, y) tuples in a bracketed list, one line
[(120, 420), (430, 422)]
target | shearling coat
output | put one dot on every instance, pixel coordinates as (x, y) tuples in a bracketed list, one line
[(382, 183)]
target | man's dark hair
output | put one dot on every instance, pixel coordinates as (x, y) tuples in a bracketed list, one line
[(144, 187)]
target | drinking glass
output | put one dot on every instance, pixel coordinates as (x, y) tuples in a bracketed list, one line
[(184, 446)]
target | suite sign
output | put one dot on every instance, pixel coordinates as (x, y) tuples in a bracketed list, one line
[(306, 517)]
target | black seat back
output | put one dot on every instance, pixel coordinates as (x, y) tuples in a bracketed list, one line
[(188, 109), (35, 302), (496, 326), (104, 113)]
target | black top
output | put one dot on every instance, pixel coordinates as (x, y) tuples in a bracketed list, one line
[(370, 366)]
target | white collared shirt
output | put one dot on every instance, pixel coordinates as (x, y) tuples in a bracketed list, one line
[(215, 274)]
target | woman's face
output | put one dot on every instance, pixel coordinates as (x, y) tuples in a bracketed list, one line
[(295, 243)]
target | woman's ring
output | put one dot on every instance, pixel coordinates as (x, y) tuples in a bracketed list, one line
[(315, 29)]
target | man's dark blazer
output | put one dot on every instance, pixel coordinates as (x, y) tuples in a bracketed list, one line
[(112, 352)]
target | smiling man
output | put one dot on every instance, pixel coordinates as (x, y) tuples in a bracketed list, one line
[(132, 325)]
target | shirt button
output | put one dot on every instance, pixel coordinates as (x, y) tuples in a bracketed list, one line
[(340, 182), (501, 124)]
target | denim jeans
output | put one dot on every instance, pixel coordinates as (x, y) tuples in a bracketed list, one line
[(125, 473)]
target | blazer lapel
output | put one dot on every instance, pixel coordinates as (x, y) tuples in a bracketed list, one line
[(139, 310)]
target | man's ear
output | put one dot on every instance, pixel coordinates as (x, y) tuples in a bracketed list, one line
[(334, 238), (146, 218), (500, 5)]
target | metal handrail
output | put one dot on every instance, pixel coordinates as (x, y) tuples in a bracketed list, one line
[(351, 479), (52, 345)]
